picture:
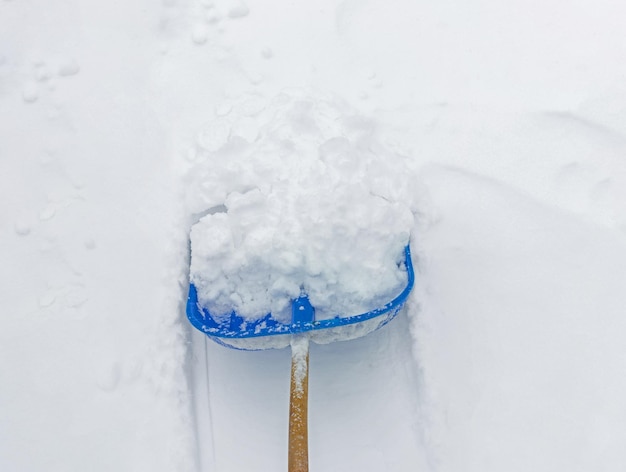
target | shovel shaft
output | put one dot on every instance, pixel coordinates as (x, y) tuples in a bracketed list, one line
[(298, 406)]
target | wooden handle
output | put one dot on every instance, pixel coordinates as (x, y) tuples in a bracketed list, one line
[(298, 405)]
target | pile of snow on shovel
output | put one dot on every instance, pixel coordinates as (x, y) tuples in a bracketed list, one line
[(298, 195)]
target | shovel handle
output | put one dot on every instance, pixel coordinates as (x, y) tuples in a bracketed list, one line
[(298, 405)]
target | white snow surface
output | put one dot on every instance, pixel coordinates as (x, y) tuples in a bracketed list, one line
[(503, 127), (301, 213)]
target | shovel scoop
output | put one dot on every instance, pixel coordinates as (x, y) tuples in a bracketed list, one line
[(268, 332)]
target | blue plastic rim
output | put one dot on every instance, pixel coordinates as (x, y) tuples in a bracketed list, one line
[(303, 315)]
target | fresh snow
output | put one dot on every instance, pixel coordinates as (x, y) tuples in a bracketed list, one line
[(503, 131), (293, 209)]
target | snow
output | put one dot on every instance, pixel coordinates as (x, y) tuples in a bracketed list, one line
[(299, 213), (503, 128), (299, 359), (539, 321)]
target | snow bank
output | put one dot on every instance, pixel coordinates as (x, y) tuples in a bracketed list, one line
[(301, 197)]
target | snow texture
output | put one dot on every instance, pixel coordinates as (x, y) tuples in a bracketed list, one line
[(311, 220), (299, 360), (503, 131)]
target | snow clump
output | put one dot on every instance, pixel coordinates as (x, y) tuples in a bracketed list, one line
[(301, 197)]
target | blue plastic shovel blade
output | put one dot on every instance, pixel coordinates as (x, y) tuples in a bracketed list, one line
[(235, 331)]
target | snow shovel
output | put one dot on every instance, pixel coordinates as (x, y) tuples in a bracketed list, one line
[(268, 332)]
